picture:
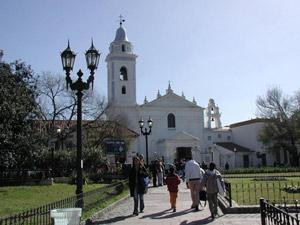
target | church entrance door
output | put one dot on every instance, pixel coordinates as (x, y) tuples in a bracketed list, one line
[(183, 152)]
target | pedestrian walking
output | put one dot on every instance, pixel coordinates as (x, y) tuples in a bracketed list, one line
[(172, 181), (211, 179), (159, 172), (203, 166), (138, 177), (154, 174), (193, 176)]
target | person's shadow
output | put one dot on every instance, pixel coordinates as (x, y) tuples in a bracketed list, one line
[(197, 222), (165, 215), (112, 220)]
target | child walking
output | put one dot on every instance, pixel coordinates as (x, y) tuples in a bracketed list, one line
[(172, 182)]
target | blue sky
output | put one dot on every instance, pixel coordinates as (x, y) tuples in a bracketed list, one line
[(228, 50)]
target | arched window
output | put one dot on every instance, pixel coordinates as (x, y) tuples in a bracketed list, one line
[(123, 73), (171, 120), (123, 90), (123, 48)]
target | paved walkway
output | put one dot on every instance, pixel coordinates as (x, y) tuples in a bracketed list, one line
[(157, 211)]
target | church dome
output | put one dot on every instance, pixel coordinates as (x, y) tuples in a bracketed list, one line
[(211, 101), (121, 34)]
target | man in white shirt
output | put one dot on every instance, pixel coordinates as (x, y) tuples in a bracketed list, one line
[(194, 175)]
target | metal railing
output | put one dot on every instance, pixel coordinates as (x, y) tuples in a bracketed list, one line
[(41, 215), (228, 196), (249, 193), (272, 215)]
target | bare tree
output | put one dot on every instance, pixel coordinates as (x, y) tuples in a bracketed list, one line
[(56, 103), (280, 132), (54, 100), (274, 104)]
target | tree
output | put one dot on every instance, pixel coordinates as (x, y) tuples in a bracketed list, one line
[(58, 106), (18, 109), (58, 103), (281, 131)]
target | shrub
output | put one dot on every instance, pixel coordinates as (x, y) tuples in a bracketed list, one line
[(292, 189), (270, 178)]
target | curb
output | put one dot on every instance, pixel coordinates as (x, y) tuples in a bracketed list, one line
[(99, 214), (236, 209)]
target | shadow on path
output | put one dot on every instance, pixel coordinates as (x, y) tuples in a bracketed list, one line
[(166, 214), (197, 222), (112, 220)]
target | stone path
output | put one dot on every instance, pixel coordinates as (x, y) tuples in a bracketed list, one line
[(157, 211)]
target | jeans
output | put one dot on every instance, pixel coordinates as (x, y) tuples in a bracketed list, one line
[(160, 178), (136, 198), (154, 179)]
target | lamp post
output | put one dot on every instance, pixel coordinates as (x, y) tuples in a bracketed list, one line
[(234, 157), (92, 59), (60, 137), (58, 132), (52, 159), (146, 131)]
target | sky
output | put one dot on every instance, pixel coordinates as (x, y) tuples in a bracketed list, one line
[(228, 50)]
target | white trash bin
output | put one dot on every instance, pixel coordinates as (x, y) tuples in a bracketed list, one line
[(66, 216)]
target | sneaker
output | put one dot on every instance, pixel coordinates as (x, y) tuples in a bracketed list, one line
[(141, 211), (197, 208), (135, 213), (174, 209)]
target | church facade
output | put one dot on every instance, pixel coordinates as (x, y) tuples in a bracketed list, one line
[(180, 126)]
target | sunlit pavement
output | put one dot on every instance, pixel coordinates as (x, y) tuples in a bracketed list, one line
[(157, 211)]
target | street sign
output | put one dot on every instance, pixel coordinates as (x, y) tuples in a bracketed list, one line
[(115, 147)]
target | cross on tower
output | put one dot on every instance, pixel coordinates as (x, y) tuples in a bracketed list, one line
[(121, 20)]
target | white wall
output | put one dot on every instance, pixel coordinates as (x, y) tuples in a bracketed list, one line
[(187, 119), (247, 136)]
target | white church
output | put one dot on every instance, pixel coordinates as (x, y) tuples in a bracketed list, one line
[(180, 126)]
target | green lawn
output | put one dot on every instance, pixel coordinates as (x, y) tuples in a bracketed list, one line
[(16, 199), (246, 191), (88, 213)]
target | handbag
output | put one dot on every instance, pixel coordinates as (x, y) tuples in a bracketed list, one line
[(145, 181), (221, 187)]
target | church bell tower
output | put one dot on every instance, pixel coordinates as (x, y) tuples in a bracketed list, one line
[(121, 73), (212, 115)]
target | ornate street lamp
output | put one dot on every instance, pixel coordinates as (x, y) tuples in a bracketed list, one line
[(68, 58), (60, 138), (146, 131), (234, 150)]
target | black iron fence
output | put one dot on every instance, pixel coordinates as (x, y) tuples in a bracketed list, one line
[(228, 195), (277, 215), (262, 175), (41, 215), (249, 193)]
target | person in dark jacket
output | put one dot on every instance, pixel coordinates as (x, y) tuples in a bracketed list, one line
[(137, 186), (172, 181), (153, 171)]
